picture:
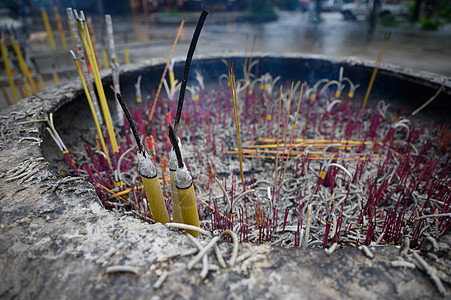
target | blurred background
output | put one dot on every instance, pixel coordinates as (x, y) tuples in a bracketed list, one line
[(36, 38)]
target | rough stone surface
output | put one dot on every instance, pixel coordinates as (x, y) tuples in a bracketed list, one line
[(56, 241)]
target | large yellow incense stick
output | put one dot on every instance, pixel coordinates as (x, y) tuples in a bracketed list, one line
[(48, 28), (237, 118), (148, 174), (376, 68), (91, 106), (8, 69), (186, 198), (23, 66), (152, 188), (93, 62)]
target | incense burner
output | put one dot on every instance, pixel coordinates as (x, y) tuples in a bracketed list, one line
[(57, 240)]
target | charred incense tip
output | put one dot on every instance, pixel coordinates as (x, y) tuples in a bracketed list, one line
[(130, 121), (189, 57), (175, 145)]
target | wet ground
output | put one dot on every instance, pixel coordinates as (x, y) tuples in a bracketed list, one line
[(293, 32)]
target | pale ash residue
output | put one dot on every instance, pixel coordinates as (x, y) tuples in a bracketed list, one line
[(146, 167), (183, 178), (172, 160), (173, 157)]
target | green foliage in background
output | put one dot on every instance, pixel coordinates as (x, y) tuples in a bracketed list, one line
[(388, 20), (444, 12), (429, 23)]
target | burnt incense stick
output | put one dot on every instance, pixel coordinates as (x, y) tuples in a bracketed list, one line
[(175, 145), (130, 121), (189, 57)]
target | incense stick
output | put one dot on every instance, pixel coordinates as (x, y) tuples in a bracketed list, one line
[(288, 120), (292, 131), (45, 18), (175, 145), (83, 28), (131, 122), (115, 66), (23, 65), (60, 28), (8, 69), (82, 59), (376, 68), (189, 57), (237, 118), (91, 106), (278, 133), (164, 72)]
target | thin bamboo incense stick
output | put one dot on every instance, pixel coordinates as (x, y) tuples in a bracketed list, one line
[(237, 118), (292, 131), (278, 133), (164, 72), (89, 78), (91, 106), (8, 69), (288, 120), (22, 65), (115, 66), (376, 68), (59, 24), (45, 18), (91, 56)]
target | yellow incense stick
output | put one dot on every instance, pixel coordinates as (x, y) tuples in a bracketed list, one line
[(376, 68), (41, 83), (91, 106), (152, 188), (237, 118), (48, 28), (127, 56), (8, 69), (105, 59), (27, 89), (344, 142), (188, 207), (93, 62), (59, 24), (23, 66)]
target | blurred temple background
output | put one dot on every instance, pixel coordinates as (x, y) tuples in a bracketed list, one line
[(36, 39)]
